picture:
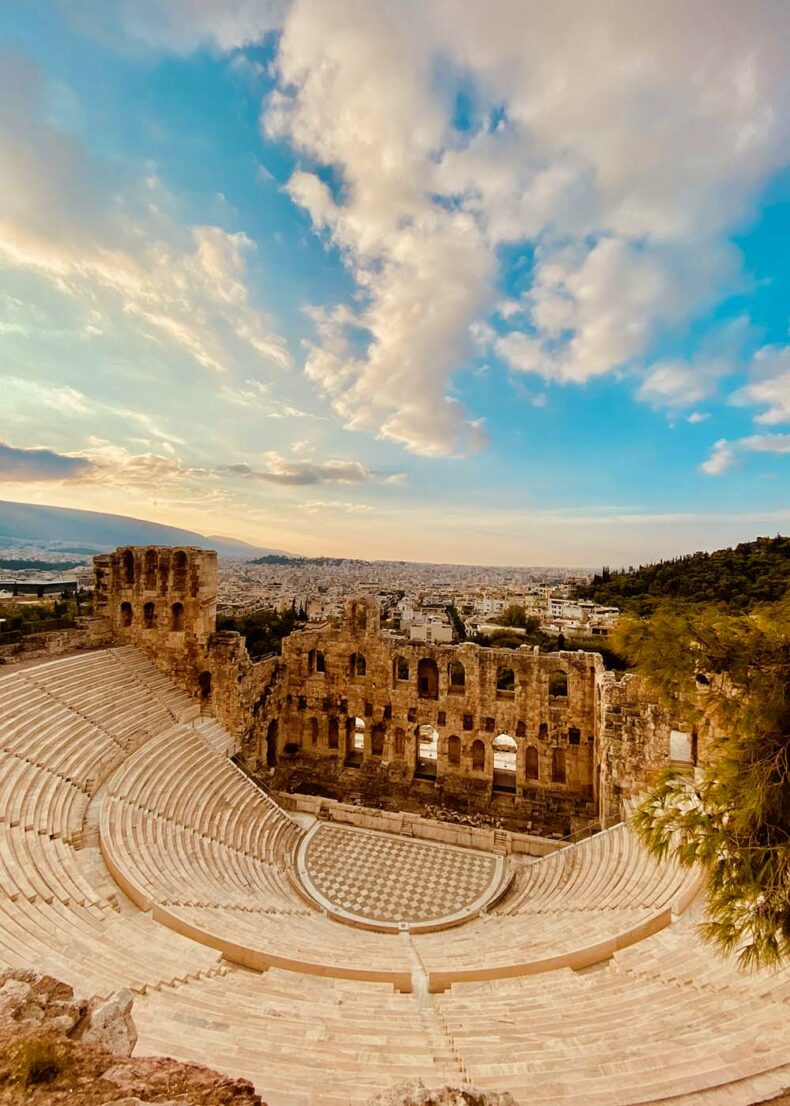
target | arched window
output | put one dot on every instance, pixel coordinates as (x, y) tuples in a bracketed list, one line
[(558, 765), (456, 677), (505, 753), (427, 752), (357, 665), (149, 616), (400, 742), (453, 750), (427, 679), (505, 681), (574, 736), (126, 615), (177, 617), (204, 685), (333, 733), (313, 731), (558, 684), (478, 756), (400, 669), (180, 570), (543, 731), (377, 740), (150, 570), (320, 662), (128, 568), (521, 729), (531, 769)]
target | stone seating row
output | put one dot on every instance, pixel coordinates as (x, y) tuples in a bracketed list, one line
[(107, 696), (162, 861), (36, 866), (96, 949), (355, 1039), (38, 799), (181, 777), (48, 734), (187, 834), (678, 955), (53, 756), (613, 1037), (130, 660), (607, 871)]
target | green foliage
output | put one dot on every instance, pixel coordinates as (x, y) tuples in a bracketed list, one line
[(729, 675), (26, 615), (597, 643), (16, 564), (504, 639), (459, 629), (514, 615), (263, 631), (751, 573)]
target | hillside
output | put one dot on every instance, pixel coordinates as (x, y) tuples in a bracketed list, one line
[(22, 523), (753, 572)]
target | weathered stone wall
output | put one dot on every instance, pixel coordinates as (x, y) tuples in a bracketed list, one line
[(549, 705), (161, 599), (576, 740), (89, 633), (635, 741)]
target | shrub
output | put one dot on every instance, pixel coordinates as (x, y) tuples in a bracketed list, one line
[(38, 1062)]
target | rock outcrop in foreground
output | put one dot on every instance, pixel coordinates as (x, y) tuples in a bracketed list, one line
[(56, 1049)]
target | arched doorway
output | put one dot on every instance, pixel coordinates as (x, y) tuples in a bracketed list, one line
[(505, 749), (427, 679), (355, 742), (427, 752), (204, 686)]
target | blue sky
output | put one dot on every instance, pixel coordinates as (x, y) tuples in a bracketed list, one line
[(501, 285)]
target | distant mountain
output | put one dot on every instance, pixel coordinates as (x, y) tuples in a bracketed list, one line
[(22, 523)]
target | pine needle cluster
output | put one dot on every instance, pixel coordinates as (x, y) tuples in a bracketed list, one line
[(729, 675)]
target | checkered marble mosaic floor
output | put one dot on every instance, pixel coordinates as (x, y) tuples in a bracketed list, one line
[(381, 877)]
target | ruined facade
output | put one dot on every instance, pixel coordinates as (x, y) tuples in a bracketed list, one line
[(354, 712)]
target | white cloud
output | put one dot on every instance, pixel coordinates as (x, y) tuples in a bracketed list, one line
[(256, 394), (721, 459), (119, 253), (628, 145), (681, 383), (769, 387), (726, 454), (698, 416)]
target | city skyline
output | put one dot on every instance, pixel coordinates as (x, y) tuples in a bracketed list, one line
[(397, 281)]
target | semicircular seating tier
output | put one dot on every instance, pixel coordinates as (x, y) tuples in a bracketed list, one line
[(104, 742)]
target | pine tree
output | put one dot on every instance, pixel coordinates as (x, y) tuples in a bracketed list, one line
[(730, 676)]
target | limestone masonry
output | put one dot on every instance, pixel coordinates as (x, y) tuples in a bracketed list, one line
[(325, 940), (351, 711)]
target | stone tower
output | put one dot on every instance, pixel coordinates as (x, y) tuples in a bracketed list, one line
[(160, 598)]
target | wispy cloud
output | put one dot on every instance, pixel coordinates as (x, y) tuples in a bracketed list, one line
[(726, 454)]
